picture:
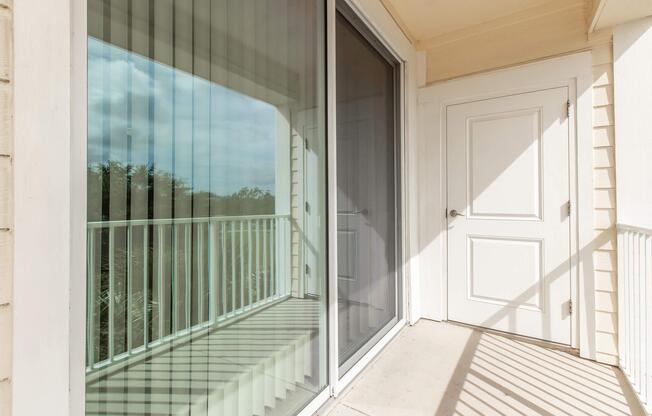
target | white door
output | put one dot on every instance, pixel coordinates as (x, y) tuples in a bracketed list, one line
[(509, 246)]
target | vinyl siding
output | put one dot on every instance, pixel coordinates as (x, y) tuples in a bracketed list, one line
[(604, 184), (296, 205), (6, 152)]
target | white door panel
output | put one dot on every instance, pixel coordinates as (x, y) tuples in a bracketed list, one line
[(508, 174)]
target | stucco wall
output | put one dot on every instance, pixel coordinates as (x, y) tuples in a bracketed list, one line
[(6, 141)]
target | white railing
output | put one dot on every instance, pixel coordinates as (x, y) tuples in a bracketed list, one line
[(635, 309), (153, 281)]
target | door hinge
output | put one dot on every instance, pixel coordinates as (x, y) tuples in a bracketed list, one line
[(570, 306), (307, 269), (569, 208), (568, 108), (307, 207)]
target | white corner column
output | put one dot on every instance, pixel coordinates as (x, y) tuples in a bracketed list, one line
[(49, 290)]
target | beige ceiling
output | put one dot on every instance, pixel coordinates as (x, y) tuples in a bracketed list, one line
[(423, 20)]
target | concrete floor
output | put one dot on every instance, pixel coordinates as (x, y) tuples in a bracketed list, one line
[(440, 369)]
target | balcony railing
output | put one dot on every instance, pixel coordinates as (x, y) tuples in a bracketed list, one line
[(154, 281), (635, 309)]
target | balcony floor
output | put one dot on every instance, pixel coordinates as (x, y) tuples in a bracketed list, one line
[(246, 368), (443, 369)]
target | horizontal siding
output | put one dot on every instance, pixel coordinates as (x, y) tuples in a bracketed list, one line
[(296, 212), (604, 184), (6, 203)]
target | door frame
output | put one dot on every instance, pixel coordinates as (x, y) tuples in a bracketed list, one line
[(375, 22), (571, 71)]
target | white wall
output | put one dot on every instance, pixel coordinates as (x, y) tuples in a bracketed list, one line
[(633, 112), (49, 219), (6, 203)]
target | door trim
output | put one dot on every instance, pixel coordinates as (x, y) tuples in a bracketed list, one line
[(573, 72)]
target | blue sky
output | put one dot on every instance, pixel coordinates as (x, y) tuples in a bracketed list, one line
[(221, 139)]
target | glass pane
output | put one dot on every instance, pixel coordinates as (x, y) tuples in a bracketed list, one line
[(366, 194), (206, 274)]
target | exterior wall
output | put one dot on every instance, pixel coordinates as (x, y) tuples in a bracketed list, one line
[(633, 82), (604, 182), (604, 197), (6, 205)]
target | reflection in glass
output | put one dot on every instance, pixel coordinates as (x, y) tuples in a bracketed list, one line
[(366, 194), (205, 151)]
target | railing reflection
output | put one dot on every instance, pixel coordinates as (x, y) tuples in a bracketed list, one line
[(153, 281)]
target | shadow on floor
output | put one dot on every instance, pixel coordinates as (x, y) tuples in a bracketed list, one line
[(440, 369)]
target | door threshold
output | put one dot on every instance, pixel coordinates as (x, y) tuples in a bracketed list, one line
[(522, 338)]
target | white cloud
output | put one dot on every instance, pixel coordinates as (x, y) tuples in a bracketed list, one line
[(213, 137)]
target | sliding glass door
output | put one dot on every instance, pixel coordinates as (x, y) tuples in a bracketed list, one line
[(367, 189), (206, 207)]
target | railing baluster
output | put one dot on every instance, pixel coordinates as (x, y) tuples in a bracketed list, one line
[(200, 273), (288, 256), (280, 260), (145, 284), (643, 314), (90, 309), (212, 271), (174, 305), (223, 276), (258, 297), (635, 308), (187, 258), (111, 290), (249, 274), (265, 259), (280, 254), (161, 279), (242, 274), (272, 257), (233, 278), (631, 299), (130, 295), (648, 320)]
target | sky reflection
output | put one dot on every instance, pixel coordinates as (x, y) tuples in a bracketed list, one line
[(142, 112)]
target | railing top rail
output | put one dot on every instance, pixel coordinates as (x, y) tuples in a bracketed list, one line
[(634, 228), (168, 221)]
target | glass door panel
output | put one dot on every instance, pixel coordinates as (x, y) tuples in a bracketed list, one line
[(367, 152), (205, 143)]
